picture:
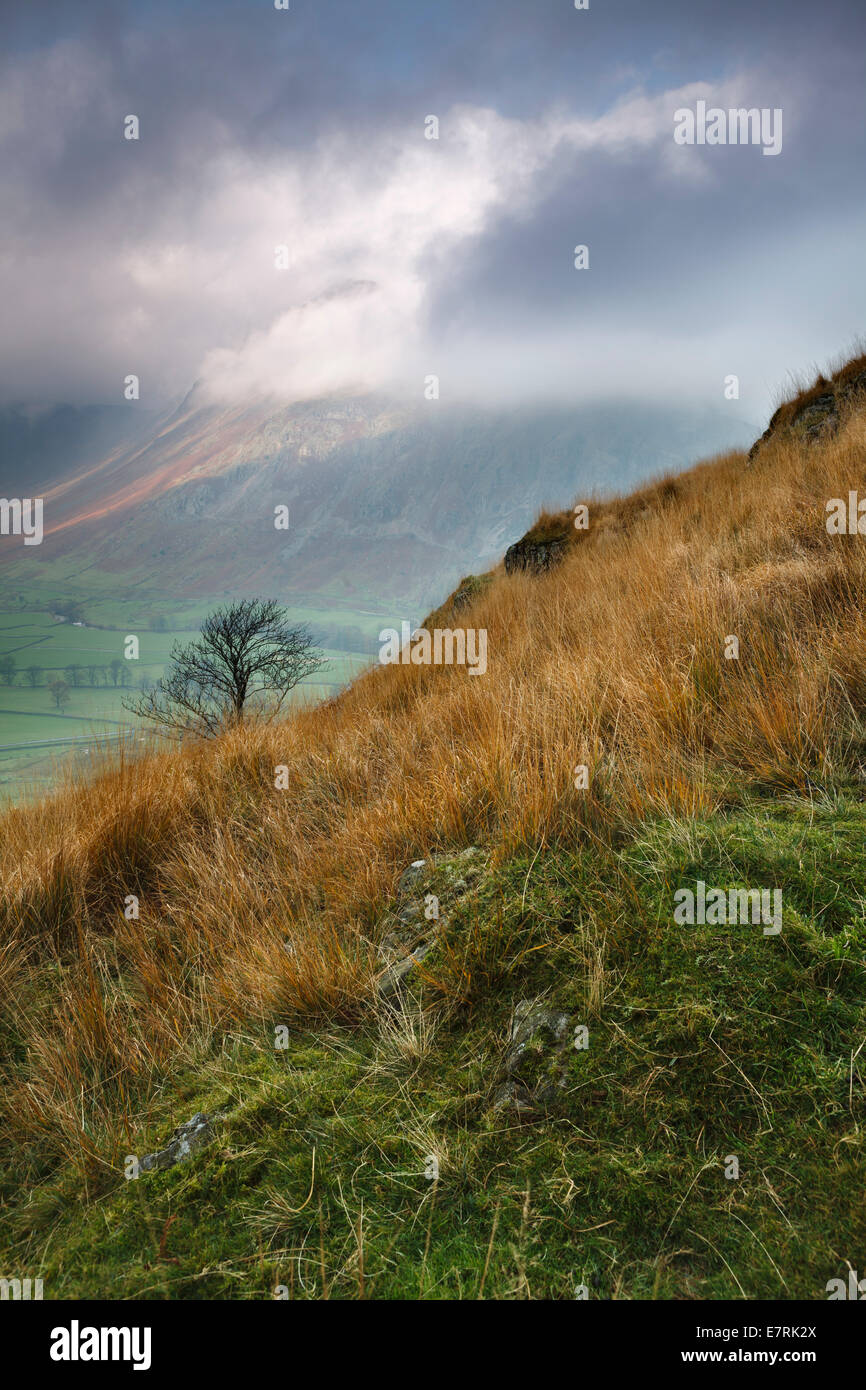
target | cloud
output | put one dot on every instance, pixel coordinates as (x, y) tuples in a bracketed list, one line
[(409, 256)]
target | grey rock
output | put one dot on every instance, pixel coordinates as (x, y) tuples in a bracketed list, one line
[(535, 557), (533, 1068), (392, 944), (186, 1140), (411, 934), (412, 914), (511, 1096), (393, 978), (532, 1018), (410, 878), (459, 870)]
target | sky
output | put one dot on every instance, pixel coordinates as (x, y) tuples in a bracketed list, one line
[(405, 257)]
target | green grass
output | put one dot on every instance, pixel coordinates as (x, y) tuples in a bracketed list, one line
[(705, 1042)]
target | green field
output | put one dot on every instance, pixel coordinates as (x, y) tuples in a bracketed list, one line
[(132, 600), (38, 741)]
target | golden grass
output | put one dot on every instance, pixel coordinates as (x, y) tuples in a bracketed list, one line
[(263, 904)]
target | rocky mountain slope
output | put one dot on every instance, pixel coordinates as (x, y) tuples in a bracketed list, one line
[(384, 500)]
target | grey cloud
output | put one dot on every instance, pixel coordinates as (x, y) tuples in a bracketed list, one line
[(155, 256)]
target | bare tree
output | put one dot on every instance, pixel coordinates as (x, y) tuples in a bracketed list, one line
[(7, 669), (34, 675), (248, 655)]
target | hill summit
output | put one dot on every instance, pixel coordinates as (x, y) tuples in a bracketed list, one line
[(543, 983)]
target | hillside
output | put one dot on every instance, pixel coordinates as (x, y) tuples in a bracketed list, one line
[(557, 1087), (388, 502), (151, 520)]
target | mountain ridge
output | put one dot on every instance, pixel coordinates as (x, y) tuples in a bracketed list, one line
[(392, 500)]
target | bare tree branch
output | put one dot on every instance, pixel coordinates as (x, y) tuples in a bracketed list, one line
[(248, 655)]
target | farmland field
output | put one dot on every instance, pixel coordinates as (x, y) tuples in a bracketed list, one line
[(40, 741)]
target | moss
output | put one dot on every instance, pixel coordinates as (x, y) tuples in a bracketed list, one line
[(704, 1043)]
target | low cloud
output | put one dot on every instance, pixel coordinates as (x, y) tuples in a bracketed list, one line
[(406, 257)]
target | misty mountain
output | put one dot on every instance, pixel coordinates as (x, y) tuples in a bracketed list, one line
[(385, 501)]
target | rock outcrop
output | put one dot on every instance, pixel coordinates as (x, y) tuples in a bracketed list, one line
[(819, 412), (535, 556), (425, 891), (533, 1069)]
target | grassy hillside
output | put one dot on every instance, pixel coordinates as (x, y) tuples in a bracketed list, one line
[(571, 1092)]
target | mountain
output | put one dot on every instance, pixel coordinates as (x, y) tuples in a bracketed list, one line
[(385, 501), (541, 981)]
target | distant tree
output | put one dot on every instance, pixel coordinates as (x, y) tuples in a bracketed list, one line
[(158, 624), (93, 674), (8, 666), (70, 609), (115, 667), (125, 677), (34, 675), (248, 655), (59, 691), (74, 674)]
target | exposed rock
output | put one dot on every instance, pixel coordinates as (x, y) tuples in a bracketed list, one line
[(770, 430), (424, 890), (186, 1140), (537, 557), (391, 980), (818, 417), (534, 1066), (447, 873), (412, 914), (459, 871), (411, 877), (468, 589)]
